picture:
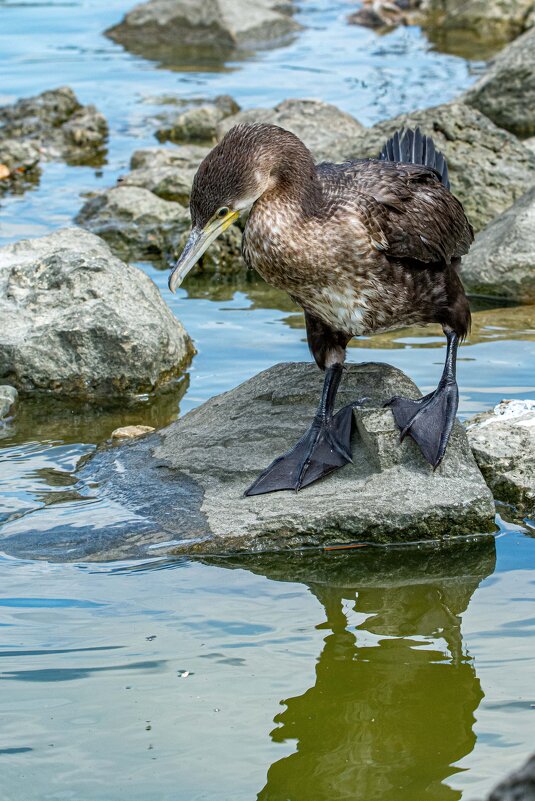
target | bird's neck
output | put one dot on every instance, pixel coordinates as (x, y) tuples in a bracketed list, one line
[(295, 182)]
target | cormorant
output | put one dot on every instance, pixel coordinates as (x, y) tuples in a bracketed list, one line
[(365, 246)]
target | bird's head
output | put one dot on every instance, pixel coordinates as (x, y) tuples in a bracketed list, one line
[(248, 162)]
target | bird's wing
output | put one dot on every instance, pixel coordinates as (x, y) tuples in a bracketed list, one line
[(418, 217)]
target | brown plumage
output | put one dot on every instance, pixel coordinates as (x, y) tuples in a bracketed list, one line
[(363, 247)]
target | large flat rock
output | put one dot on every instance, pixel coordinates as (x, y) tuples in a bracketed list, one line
[(185, 485)]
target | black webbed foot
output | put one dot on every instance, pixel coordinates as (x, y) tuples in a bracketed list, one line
[(325, 447), (428, 420)]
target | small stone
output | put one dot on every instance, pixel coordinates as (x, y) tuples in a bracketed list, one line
[(5, 172), (131, 432)]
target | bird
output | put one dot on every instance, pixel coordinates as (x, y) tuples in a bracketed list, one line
[(365, 246)]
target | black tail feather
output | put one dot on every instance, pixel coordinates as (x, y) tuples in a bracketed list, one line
[(413, 147)]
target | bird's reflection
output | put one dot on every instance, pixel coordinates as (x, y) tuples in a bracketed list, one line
[(392, 709)]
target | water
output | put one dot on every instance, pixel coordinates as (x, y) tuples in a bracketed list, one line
[(376, 675)]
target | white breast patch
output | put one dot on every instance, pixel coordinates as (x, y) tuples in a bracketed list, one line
[(342, 309)]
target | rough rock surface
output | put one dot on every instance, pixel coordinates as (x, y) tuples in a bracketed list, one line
[(8, 396), (321, 126), (503, 443), (77, 321), (501, 262), (57, 123), (166, 171), (187, 482), (519, 786), (506, 92), (161, 28), (489, 168), (137, 224), (199, 123), (131, 432), (503, 19)]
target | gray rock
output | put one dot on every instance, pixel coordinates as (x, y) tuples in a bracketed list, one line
[(168, 172), (501, 262), (78, 322), (199, 123), (519, 786), (503, 443), (171, 30), (530, 143), (8, 397), (321, 126), (489, 167), (58, 125), (194, 473), (506, 93), (135, 223)]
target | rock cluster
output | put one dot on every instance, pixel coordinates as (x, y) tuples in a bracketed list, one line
[(78, 322), (144, 217), (55, 125)]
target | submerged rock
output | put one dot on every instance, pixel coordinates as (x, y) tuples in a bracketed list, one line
[(503, 443), (506, 93), (135, 223), (501, 262), (186, 483), (321, 126), (489, 168), (57, 124), (8, 397), (78, 322), (170, 30)]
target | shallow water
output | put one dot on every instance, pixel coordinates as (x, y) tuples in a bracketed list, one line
[(363, 676)]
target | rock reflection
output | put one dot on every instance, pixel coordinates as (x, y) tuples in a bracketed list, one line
[(392, 709)]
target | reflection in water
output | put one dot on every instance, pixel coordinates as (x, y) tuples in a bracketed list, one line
[(393, 704)]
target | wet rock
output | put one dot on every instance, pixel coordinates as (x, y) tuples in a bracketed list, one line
[(489, 168), (56, 123), (321, 126), (518, 786), (131, 432), (134, 222), (506, 93), (503, 443), (501, 262), (194, 473), (493, 19), (198, 124), (18, 165), (168, 172), (8, 397), (137, 224), (78, 322), (173, 30)]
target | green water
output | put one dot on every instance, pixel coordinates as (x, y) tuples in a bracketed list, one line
[(368, 676)]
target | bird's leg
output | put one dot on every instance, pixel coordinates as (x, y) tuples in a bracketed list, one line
[(325, 446), (430, 419)]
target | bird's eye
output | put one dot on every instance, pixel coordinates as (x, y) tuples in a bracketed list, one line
[(223, 212)]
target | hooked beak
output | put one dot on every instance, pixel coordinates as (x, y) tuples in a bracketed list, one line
[(198, 242)]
